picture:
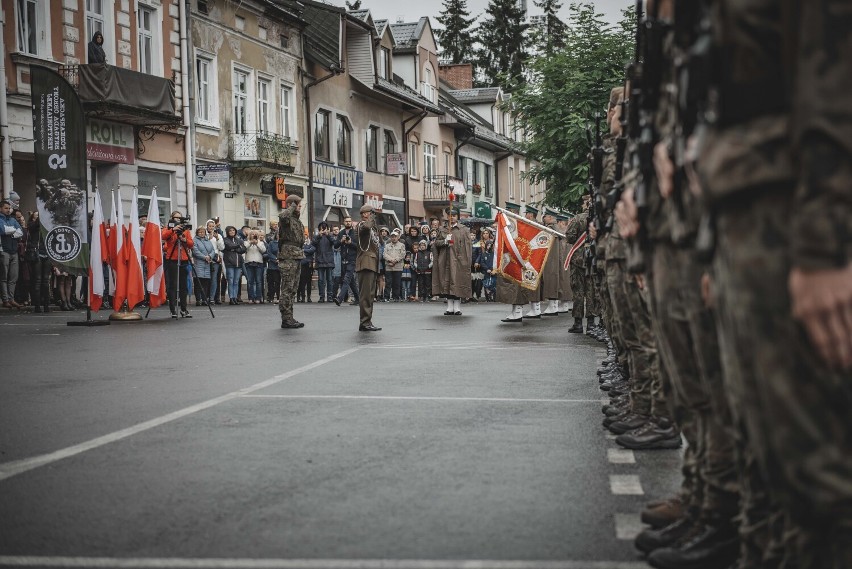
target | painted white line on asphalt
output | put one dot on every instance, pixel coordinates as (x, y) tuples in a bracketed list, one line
[(404, 398), (610, 436), (182, 563), (620, 456), (628, 526), (605, 400), (625, 484), (9, 469)]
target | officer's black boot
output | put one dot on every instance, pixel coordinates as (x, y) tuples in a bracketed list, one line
[(590, 325), (577, 328)]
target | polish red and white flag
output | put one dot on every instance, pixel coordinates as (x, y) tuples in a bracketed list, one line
[(152, 250), (522, 247), (98, 255), (133, 244)]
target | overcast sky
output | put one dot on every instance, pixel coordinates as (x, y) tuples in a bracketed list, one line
[(411, 11)]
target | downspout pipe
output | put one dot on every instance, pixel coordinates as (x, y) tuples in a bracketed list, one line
[(497, 159), (5, 145), (405, 132), (189, 137), (335, 71)]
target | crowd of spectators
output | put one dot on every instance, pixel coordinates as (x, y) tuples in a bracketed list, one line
[(226, 258)]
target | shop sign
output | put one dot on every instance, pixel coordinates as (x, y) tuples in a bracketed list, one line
[(338, 197), (331, 175), (396, 163), (482, 209), (212, 173), (110, 142)]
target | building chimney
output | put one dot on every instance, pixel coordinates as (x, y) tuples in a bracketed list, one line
[(457, 75)]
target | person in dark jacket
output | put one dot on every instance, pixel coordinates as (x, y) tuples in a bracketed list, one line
[(346, 241), (273, 271), (306, 273), (233, 256), (96, 50), (323, 242)]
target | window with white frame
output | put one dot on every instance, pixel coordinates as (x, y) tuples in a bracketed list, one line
[(28, 26), (286, 112), (241, 97), (206, 99), (322, 146), (263, 97), (523, 183), (96, 19), (448, 159), (428, 84), (511, 182), (412, 160), (430, 161), (344, 141), (371, 146), (488, 184), (146, 26), (467, 164), (384, 63)]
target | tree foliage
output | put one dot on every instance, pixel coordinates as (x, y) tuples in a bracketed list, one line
[(563, 92), (503, 45), (550, 37), (456, 38)]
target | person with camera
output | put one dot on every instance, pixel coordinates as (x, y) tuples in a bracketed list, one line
[(178, 242), (233, 249), (323, 244), (348, 255), (291, 238), (255, 248), (367, 265)]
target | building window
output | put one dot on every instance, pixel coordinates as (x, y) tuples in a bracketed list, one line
[(384, 63), (389, 147), (430, 161), (202, 7), (372, 148), (523, 184), (28, 28), (146, 24), (321, 136), (261, 33), (240, 23), (412, 160), (206, 103), (240, 101), (285, 40), (264, 92), (286, 109), (488, 184), (344, 141), (447, 161), (162, 181), (95, 18), (428, 85), (511, 183), (468, 172)]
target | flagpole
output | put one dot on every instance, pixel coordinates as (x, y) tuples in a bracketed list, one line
[(533, 223), (88, 321)]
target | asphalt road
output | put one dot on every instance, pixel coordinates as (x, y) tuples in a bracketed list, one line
[(438, 442)]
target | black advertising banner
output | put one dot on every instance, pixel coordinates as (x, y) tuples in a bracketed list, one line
[(59, 130)]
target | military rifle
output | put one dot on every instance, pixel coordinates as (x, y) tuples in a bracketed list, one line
[(596, 203), (645, 98)]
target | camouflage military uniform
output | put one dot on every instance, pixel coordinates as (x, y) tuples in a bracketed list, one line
[(577, 275), (291, 237), (779, 177)]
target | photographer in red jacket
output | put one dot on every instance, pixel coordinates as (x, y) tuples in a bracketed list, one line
[(177, 244)]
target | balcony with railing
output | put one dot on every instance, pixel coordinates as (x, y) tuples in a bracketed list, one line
[(123, 95), (260, 149), (436, 190)]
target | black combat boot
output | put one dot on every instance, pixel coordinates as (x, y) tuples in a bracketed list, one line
[(654, 435), (652, 539), (577, 328), (590, 325), (705, 547)]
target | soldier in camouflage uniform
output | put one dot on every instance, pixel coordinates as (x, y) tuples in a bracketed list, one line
[(777, 170), (577, 276), (291, 237)]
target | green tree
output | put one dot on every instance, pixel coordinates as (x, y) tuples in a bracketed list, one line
[(503, 45), (562, 95), (550, 37), (456, 38)]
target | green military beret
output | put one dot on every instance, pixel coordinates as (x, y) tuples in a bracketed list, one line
[(531, 209)]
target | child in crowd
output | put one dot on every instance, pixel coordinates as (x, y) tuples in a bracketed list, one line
[(406, 277), (422, 264), (489, 282)]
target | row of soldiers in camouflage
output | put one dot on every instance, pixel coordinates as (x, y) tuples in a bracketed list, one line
[(742, 343)]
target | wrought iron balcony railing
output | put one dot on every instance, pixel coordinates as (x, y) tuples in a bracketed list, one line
[(438, 189), (260, 147)]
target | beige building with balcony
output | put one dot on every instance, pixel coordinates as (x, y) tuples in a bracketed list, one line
[(133, 139), (248, 116)]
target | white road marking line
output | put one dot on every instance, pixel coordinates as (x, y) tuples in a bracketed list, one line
[(625, 484), (628, 526), (620, 456), (413, 398), (610, 436), (605, 400), (185, 563), (9, 469)]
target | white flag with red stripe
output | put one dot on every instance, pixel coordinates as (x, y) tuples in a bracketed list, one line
[(133, 243), (112, 236), (119, 254), (574, 249), (152, 250), (97, 256)]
